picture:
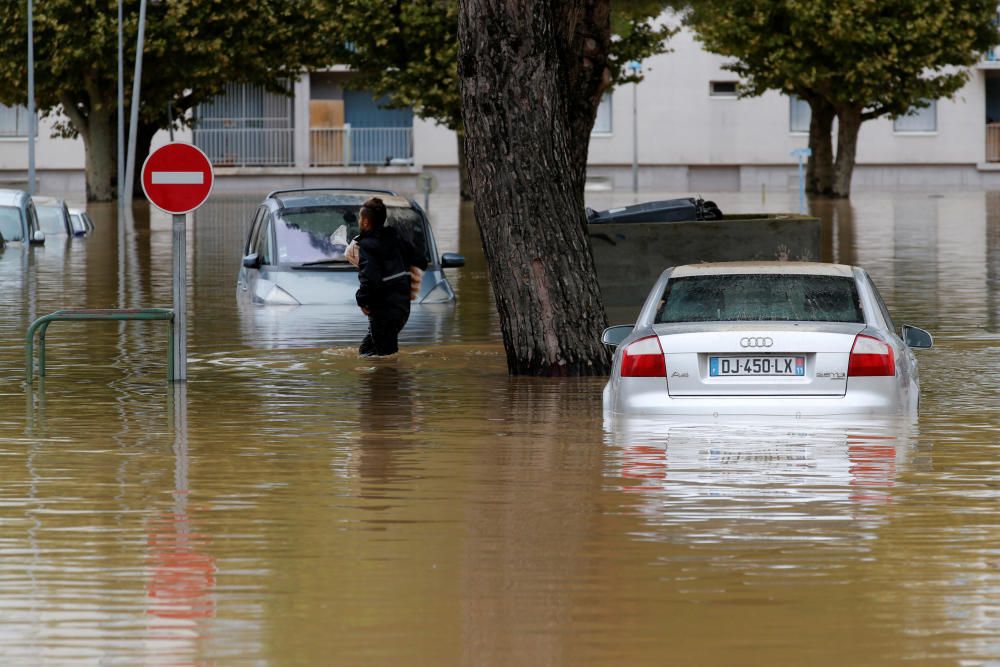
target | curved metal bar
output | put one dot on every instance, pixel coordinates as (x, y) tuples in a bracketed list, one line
[(40, 325)]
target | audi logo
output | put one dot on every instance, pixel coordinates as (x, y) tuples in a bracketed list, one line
[(756, 342)]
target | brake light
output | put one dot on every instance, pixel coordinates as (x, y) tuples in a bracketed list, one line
[(871, 357), (644, 359)]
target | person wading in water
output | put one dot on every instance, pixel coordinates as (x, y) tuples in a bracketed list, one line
[(384, 262)]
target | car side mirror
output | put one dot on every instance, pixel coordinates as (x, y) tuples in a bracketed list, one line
[(452, 260), (252, 261), (38, 237), (613, 336), (917, 338)]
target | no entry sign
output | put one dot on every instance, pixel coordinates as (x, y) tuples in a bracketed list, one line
[(177, 178)]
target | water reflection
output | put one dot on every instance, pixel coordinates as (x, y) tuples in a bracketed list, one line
[(301, 506)]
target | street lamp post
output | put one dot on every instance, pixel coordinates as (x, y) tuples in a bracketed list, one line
[(133, 126), (31, 99), (634, 67), (120, 185)]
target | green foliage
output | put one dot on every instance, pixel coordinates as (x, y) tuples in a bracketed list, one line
[(407, 50), (193, 48), (882, 56)]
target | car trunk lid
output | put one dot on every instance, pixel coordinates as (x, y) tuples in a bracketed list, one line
[(757, 358)]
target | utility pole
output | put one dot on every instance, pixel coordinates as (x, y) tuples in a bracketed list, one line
[(31, 98), (133, 127), (121, 112), (634, 67)]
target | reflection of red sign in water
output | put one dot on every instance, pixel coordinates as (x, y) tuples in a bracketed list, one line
[(177, 178), (182, 578)]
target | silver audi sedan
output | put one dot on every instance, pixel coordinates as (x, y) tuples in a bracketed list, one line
[(764, 338)]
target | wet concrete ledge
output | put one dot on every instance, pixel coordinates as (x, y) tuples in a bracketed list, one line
[(630, 256)]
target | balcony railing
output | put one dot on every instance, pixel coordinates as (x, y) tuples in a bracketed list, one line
[(334, 147), (247, 146), (993, 142)]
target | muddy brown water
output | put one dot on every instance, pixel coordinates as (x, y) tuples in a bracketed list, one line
[(294, 505)]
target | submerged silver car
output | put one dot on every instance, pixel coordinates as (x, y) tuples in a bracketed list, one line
[(53, 216), (294, 253), (19, 219), (764, 338)]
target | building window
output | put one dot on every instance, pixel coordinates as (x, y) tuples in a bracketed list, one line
[(13, 121), (799, 114), (602, 124), (722, 88), (918, 120), (247, 125)]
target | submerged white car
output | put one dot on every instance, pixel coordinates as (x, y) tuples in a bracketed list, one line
[(764, 338)]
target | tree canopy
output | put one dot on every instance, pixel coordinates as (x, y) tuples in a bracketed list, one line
[(193, 49), (853, 60)]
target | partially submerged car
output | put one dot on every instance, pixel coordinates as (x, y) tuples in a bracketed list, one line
[(764, 338), (53, 216), (294, 253), (18, 218), (80, 222)]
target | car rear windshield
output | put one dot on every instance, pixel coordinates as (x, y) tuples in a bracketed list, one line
[(50, 219), (760, 296), (321, 233), (10, 223)]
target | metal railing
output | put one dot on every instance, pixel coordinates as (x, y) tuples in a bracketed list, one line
[(993, 142), (344, 146), (13, 121), (40, 325), (247, 146)]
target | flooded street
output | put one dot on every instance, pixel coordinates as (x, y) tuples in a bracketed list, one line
[(296, 505)]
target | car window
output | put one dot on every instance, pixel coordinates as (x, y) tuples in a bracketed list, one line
[(262, 243), (51, 220), (881, 305), (10, 223), (78, 224), (322, 233), (760, 296), (34, 225), (254, 230)]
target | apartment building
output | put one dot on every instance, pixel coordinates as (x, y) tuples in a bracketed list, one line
[(694, 134)]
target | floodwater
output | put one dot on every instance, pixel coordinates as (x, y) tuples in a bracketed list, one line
[(295, 505)]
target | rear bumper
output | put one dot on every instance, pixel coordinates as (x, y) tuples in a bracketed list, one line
[(649, 397)]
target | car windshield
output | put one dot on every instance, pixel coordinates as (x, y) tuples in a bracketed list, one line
[(760, 296), (50, 219), (10, 223), (321, 233)]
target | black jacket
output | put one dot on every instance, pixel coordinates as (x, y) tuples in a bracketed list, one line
[(385, 259)]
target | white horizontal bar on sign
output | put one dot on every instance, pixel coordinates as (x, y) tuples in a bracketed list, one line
[(178, 177)]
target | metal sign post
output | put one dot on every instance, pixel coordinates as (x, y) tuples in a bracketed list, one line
[(801, 154), (177, 179), (179, 253)]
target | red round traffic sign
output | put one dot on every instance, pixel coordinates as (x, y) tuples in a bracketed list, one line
[(177, 178)]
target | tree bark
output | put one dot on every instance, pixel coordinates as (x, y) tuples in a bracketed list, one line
[(532, 73), (464, 184), (819, 169), (143, 140), (849, 121)]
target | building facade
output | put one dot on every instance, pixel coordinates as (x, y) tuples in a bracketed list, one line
[(684, 124)]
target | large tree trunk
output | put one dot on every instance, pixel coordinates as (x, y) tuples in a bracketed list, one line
[(100, 161), (143, 140), (532, 73), (819, 169), (848, 125), (464, 184)]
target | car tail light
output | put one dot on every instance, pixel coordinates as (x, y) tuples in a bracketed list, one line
[(871, 357), (644, 359)]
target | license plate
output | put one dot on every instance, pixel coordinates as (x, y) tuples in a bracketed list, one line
[(760, 366)]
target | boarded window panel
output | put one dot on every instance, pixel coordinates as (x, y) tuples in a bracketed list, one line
[(918, 120), (799, 114)]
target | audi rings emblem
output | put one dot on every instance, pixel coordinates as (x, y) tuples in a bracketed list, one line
[(756, 342)]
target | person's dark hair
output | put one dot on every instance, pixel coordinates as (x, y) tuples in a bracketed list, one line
[(374, 212)]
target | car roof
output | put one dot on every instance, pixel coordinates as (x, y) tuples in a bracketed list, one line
[(47, 201), (334, 197), (12, 197), (786, 268)]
